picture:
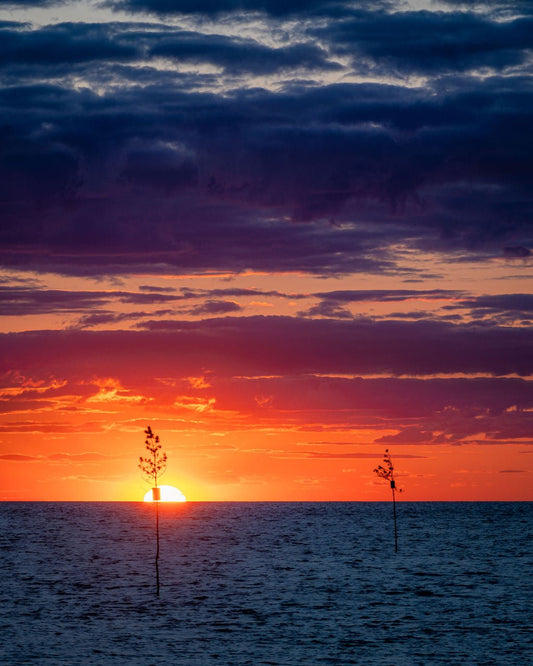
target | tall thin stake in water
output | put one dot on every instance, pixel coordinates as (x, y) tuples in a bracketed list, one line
[(387, 472), (152, 467)]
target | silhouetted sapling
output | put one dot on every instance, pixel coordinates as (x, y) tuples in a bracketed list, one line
[(386, 472), (152, 467)]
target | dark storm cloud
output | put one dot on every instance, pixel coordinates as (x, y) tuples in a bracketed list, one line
[(75, 43), (63, 43), (239, 55), (11, 24), (158, 168), (148, 172), (427, 42), (216, 7)]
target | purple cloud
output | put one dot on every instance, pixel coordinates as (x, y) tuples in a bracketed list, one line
[(215, 307), (284, 345)]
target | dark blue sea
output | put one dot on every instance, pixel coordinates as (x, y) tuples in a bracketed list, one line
[(275, 584)]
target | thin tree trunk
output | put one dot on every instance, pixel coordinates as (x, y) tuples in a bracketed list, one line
[(157, 549), (394, 514)]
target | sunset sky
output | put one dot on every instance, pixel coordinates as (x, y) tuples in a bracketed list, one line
[(286, 234)]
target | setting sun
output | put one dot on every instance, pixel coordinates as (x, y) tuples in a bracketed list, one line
[(168, 494)]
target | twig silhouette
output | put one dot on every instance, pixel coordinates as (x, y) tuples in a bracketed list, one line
[(152, 467), (386, 472)]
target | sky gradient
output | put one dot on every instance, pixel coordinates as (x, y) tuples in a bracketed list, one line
[(286, 235)]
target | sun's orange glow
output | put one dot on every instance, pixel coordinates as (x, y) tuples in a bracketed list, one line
[(268, 413), (168, 494)]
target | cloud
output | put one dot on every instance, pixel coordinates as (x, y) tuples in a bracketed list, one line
[(284, 345), (427, 42), (151, 161), (407, 436), (331, 301), (81, 457), (324, 455), (499, 308), (386, 295), (240, 55), (238, 292), (518, 304), (17, 301), (155, 289), (328, 308), (515, 7), (516, 252), (271, 372), (272, 7), (33, 427), (294, 345), (62, 43), (104, 317), (216, 307), (32, 3), (18, 457), (442, 404)]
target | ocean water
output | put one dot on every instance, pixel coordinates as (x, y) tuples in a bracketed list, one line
[(266, 583)]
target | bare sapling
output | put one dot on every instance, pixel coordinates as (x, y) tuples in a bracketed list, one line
[(386, 471), (152, 468)]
